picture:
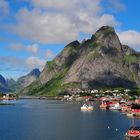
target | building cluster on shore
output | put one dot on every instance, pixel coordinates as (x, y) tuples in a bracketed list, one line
[(8, 96), (72, 91), (114, 99), (129, 107), (126, 101)]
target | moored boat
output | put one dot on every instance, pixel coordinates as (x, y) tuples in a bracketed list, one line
[(87, 107), (130, 114), (133, 133), (104, 105), (114, 106), (124, 107)]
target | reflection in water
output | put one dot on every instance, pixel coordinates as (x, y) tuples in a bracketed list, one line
[(56, 120)]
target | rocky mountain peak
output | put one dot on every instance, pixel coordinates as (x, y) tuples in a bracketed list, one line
[(35, 72), (104, 31), (28, 79), (75, 43), (2, 81), (107, 37), (4, 85)]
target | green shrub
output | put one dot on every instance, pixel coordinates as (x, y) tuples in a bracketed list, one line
[(51, 65), (130, 59)]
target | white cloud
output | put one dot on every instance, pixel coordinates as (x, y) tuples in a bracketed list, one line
[(33, 48), (131, 38), (60, 21), (16, 47), (4, 8), (57, 4), (43, 27), (29, 48), (11, 61), (49, 54), (35, 62), (28, 63), (93, 7)]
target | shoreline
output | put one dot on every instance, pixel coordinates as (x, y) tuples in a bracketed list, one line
[(41, 98)]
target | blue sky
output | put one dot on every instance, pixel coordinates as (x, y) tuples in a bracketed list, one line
[(35, 31)]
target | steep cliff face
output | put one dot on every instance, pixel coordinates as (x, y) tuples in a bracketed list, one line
[(3, 85), (26, 80), (61, 63), (105, 62), (101, 61), (2, 81)]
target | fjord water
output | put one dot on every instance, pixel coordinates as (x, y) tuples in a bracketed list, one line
[(57, 120)]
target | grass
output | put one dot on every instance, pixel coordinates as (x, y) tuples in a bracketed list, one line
[(116, 59), (94, 54), (93, 44), (130, 59), (109, 31), (51, 65), (53, 87)]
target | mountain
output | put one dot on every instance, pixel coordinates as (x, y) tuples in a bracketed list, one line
[(101, 61), (3, 85), (2, 81), (10, 85), (26, 80)]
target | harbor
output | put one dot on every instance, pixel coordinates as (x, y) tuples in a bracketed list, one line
[(115, 113), (69, 123)]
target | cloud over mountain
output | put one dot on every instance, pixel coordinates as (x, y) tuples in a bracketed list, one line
[(60, 21), (33, 62), (49, 54), (33, 48), (131, 38)]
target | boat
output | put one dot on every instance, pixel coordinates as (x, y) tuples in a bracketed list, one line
[(114, 106), (130, 114), (87, 107), (133, 133), (124, 107), (104, 105)]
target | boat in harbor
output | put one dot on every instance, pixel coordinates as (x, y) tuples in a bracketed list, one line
[(129, 114), (133, 133), (124, 107), (114, 106), (104, 105), (87, 107)]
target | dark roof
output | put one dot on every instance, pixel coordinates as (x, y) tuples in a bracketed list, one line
[(135, 106), (135, 128)]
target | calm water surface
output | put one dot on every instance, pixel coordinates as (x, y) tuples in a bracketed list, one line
[(56, 120)]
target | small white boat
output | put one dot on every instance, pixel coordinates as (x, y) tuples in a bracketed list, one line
[(129, 114), (87, 107), (115, 106)]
